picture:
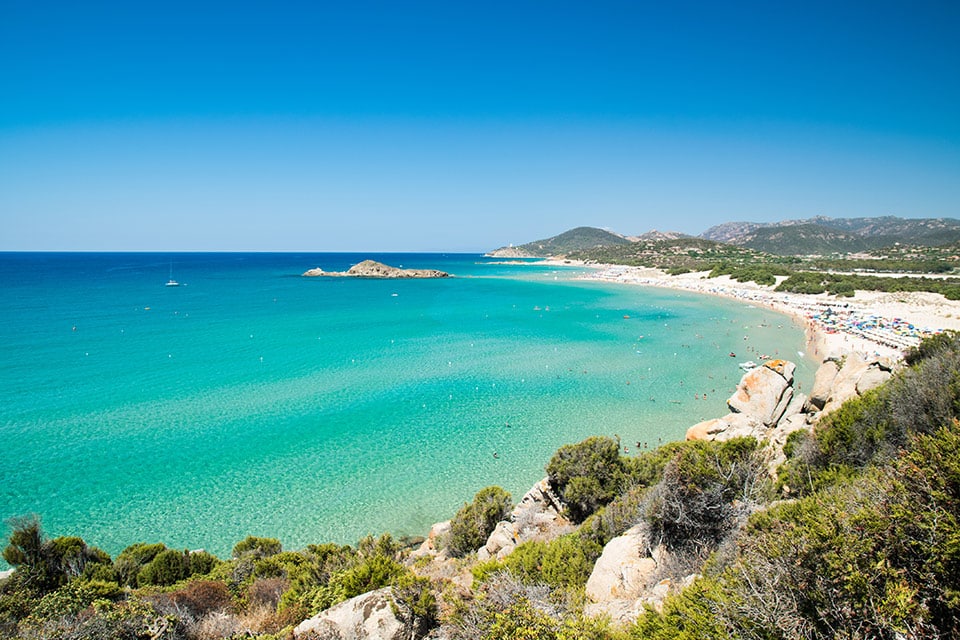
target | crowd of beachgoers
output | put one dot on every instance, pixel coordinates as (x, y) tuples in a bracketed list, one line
[(870, 323)]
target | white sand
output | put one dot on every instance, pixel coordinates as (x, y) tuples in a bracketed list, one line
[(870, 323)]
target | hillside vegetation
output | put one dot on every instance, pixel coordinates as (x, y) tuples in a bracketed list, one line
[(684, 253), (858, 537)]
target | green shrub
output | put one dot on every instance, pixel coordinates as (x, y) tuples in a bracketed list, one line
[(370, 574), (25, 550), (257, 547), (705, 491), (202, 563), (168, 567), (44, 565), (522, 620), (586, 475), (564, 563), (327, 574), (414, 602), (132, 559), (474, 522), (645, 469), (321, 563), (688, 615)]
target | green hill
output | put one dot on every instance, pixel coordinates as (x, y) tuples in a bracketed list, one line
[(578, 239)]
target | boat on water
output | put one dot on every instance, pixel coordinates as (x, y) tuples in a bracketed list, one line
[(749, 365), (171, 282)]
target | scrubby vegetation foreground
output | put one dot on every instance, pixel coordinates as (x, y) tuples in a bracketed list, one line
[(858, 536)]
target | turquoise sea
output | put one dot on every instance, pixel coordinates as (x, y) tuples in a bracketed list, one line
[(250, 400)]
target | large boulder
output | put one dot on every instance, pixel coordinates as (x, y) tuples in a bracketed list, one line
[(435, 542), (367, 617), (732, 425), (823, 384), (625, 578), (624, 569), (857, 375), (503, 539), (761, 391), (875, 375), (707, 429)]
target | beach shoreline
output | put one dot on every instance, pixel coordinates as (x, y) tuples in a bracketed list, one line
[(871, 324)]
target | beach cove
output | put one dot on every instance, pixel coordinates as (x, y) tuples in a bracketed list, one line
[(250, 400)]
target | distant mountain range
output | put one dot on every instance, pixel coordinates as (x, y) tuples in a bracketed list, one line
[(813, 236), (824, 236)]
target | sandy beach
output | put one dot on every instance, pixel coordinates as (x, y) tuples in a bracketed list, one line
[(870, 323)]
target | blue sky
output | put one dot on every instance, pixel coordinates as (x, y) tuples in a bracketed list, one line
[(464, 126)]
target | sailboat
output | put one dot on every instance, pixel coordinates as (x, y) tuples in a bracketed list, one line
[(171, 282)]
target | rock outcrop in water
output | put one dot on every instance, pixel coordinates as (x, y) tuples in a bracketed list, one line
[(374, 269)]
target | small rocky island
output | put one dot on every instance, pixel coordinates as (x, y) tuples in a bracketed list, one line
[(374, 269)]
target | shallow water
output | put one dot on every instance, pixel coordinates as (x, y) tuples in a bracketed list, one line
[(250, 400)]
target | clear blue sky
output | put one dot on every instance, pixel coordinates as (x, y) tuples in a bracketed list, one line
[(465, 126)]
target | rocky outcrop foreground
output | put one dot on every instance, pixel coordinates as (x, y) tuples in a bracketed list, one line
[(624, 578), (536, 517), (366, 617), (374, 269), (631, 573), (766, 406)]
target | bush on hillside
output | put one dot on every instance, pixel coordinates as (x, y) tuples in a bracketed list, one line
[(586, 475), (474, 522), (879, 424), (706, 491), (329, 574), (168, 567), (132, 559), (878, 554), (507, 608), (43, 565), (563, 563), (414, 603), (257, 547)]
